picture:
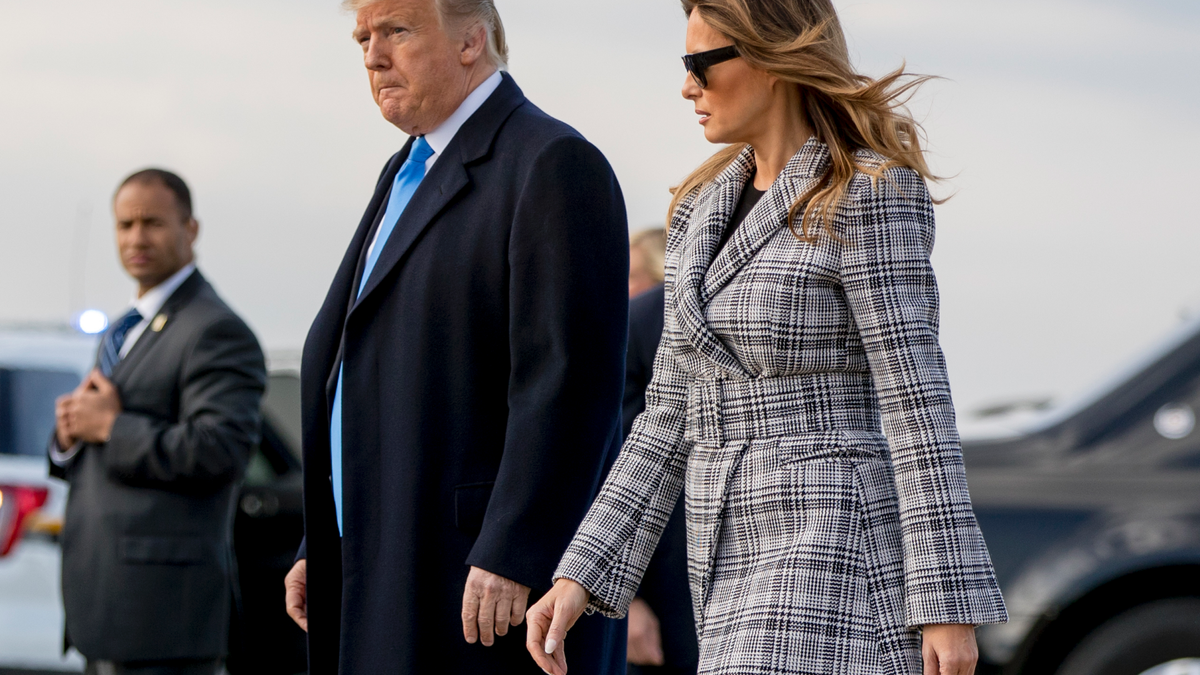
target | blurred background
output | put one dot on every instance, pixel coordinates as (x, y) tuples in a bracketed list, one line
[(1067, 259), (1067, 130)]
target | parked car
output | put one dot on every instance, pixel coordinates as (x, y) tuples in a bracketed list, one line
[(36, 366), (1093, 522)]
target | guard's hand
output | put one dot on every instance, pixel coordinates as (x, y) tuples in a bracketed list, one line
[(549, 621), (295, 597), (645, 637), (491, 604), (88, 414), (62, 424), (949, 649)]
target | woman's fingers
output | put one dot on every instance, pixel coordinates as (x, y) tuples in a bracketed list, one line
[(949, 649), (540, 617)]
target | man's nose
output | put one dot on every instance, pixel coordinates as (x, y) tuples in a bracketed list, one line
[(377, 56)]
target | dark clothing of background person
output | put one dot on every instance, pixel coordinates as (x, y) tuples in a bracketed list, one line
[(665, 585), (481, 397), (147, 555)]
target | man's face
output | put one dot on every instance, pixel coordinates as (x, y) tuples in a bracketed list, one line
[(153, 237), (417, 70)]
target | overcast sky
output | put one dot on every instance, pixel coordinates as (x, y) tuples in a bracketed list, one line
[(1069, 130)]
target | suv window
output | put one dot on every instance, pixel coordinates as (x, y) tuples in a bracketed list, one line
[(27, 408)]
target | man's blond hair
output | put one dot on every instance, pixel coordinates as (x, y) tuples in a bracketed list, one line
[(468, 12)]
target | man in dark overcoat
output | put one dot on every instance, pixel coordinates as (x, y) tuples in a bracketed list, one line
[(462, 382)]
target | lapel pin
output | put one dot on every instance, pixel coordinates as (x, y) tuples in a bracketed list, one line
[(159, 322)]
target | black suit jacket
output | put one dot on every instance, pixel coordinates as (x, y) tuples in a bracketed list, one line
[(483, 367), (147, 541), (665, 584)]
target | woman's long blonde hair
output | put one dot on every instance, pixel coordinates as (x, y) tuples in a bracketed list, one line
[(801, 41)]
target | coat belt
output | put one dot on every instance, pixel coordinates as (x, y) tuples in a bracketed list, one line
[(720, 411)]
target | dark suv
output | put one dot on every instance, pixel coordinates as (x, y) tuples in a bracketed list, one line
[(1093, 522)]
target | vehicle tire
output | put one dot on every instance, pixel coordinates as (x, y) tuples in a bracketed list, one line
[(1139, 639)]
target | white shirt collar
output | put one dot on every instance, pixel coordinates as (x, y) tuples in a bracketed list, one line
[(440, 137), (152, 300)]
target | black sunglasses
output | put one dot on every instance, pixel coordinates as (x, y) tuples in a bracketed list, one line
[(699, 62)]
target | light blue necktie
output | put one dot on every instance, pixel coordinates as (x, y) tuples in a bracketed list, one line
[(403, 187)]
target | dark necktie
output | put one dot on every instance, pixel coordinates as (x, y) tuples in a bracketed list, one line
[(114, 339)]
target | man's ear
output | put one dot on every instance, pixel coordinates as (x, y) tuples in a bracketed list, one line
[(474, 44), (193, 230)]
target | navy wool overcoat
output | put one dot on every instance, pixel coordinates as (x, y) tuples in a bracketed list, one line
[(483, 366)]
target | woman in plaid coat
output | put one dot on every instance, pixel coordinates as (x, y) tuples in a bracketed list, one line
[(800, 397)]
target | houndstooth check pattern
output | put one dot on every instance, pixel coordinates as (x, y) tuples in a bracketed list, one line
[(800, 398)]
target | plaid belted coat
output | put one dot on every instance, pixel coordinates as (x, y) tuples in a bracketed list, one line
[(800, 399)]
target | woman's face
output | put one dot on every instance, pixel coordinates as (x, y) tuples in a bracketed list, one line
[(733, 107)]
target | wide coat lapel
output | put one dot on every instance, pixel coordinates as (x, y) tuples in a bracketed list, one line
[(446, 180), (802, 172), (714, 206)]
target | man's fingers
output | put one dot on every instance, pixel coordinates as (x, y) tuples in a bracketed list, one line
[(470, 614), (487, 616), (518, 606), (503, 615), (295, 586)]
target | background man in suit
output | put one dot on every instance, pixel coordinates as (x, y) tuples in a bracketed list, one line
[(154, 443), (461, 385), (662, 629)]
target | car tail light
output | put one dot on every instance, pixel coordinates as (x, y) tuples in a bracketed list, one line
[(17, 503)]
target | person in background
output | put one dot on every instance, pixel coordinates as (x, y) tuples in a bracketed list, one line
[(461, 385), (646, 251), (662, 629), (154, 444)]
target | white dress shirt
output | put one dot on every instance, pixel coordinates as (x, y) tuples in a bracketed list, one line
[(440, 138), (149, 305)]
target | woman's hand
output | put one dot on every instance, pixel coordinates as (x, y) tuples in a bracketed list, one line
[(949, 649), (645, 635), (549, 621)]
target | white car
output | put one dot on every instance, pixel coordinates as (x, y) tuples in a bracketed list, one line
[(36, 366)]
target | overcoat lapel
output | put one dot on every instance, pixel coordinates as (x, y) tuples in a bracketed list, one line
[(714, 207), (159, 324), (703, 271), (446, 180), (802, 172)]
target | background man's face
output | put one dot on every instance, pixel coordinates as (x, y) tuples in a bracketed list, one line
[(154, 238), (414, 66)]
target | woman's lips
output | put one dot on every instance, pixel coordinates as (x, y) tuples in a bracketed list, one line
[(705, 116)]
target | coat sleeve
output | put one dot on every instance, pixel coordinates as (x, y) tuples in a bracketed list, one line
[(568, 262), (893, 297), (222, 382), (616, 541)]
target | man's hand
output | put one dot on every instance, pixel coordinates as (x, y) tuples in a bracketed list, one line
[(949, 649), (88, 413), (491, 604), (62, 424), (645, 638), (295, 597)]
